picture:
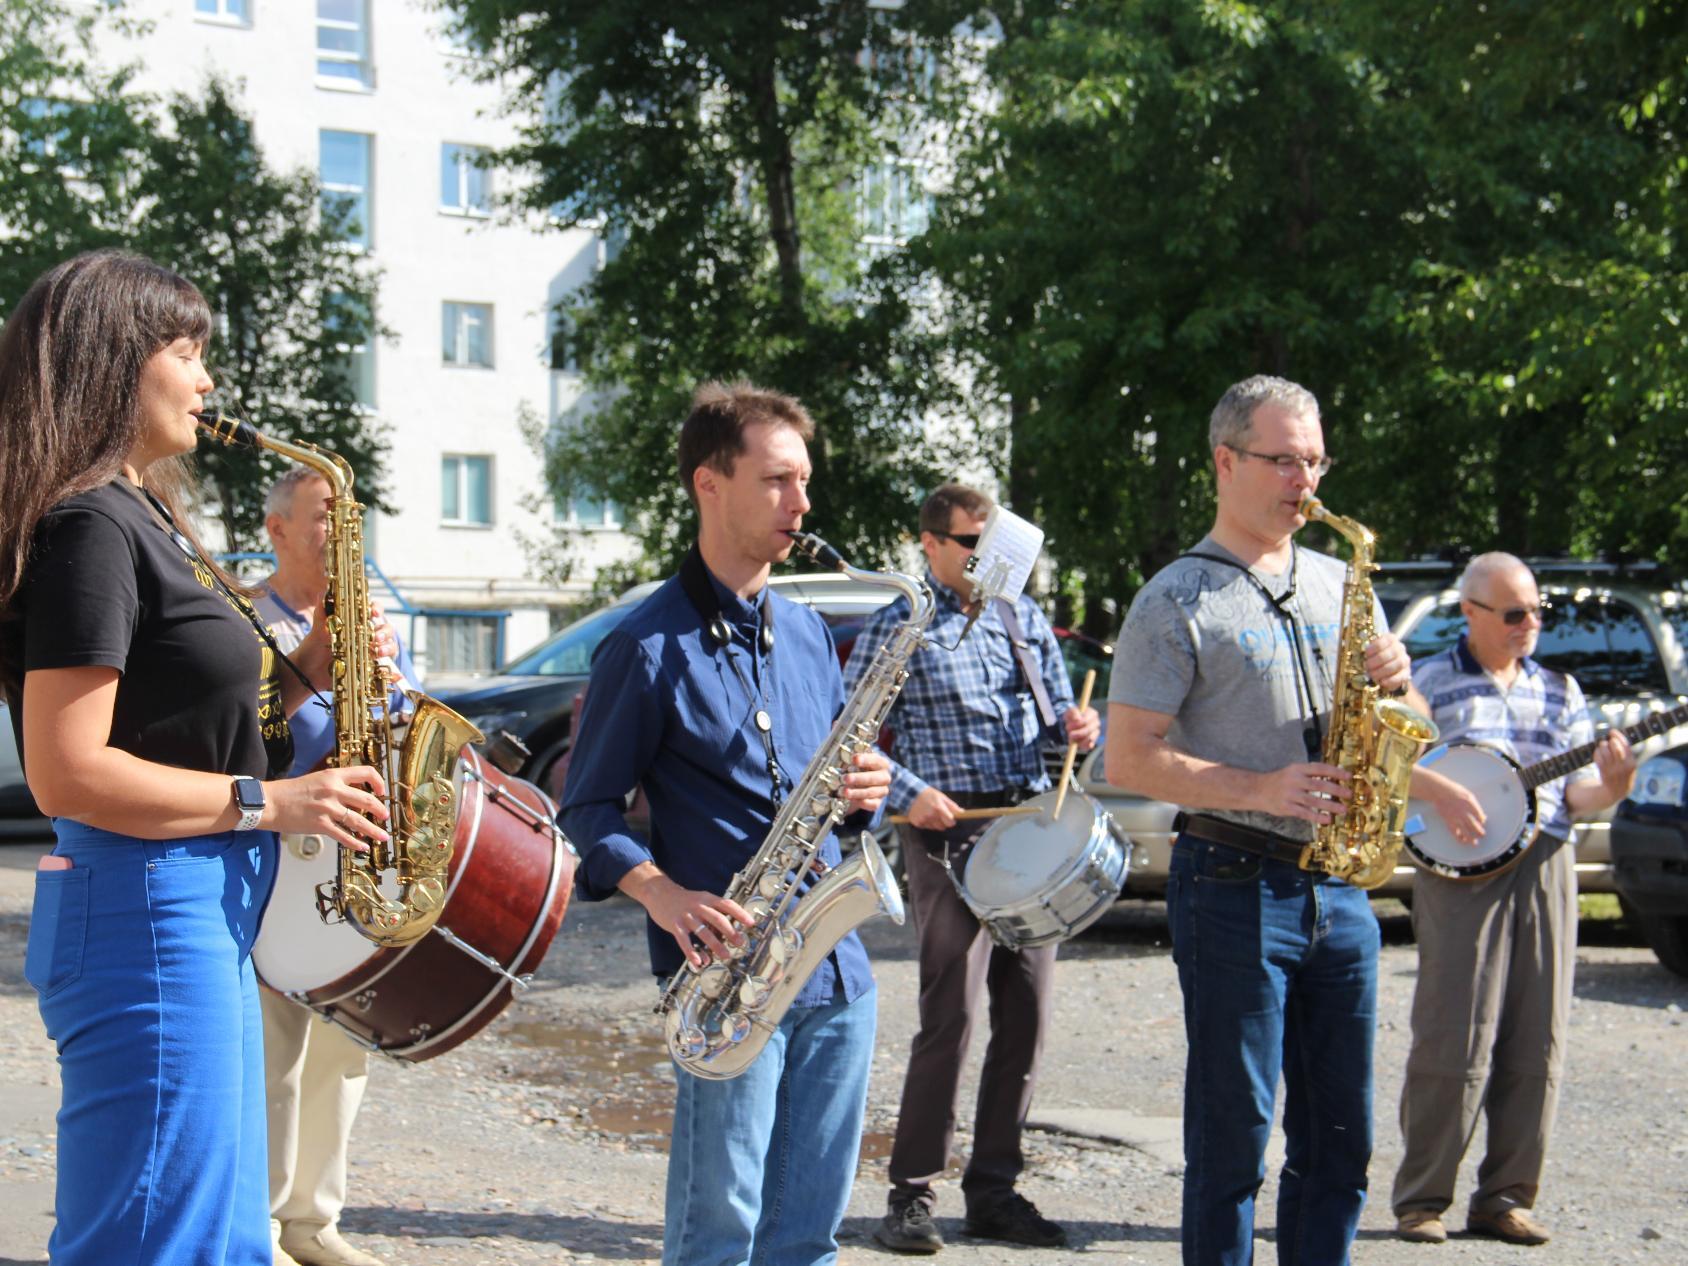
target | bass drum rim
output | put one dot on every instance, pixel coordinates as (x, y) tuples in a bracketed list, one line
[(1502, 861)]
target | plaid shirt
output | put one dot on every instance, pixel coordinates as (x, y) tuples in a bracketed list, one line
[(966, 719), (1542, 714)]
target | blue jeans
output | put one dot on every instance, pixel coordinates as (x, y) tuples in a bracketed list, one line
[(140, 955), (760, 1166), (1278, 967)]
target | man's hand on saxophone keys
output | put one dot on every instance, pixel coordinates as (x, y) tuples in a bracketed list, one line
[(1312, 791), (1388, 664), (702, 923), (866, 787)]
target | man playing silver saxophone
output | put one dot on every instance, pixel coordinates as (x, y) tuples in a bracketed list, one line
[(714, 714), (1219, 703)]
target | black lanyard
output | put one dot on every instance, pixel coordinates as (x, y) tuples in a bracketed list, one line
[(1313, 734), (694, 579)]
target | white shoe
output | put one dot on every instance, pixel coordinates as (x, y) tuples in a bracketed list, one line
[(325, 1247)]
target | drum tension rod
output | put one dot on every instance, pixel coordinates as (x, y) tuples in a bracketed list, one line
[(485, 960)]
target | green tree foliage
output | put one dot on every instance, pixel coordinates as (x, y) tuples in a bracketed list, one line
[(1457, 224), (86, 161), (717, 148)]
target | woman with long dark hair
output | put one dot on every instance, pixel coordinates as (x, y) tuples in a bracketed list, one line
[(151, 717)]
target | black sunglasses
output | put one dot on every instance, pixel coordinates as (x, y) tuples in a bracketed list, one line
[(1512, 615), (967, 540)]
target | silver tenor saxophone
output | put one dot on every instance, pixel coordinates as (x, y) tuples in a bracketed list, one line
[(1376, 740), (719, 1017), (421, 795)]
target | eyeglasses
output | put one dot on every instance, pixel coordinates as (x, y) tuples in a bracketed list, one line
[(967, 540), (1287, 462), (1512, 615)]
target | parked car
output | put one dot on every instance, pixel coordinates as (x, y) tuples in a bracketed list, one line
[(19, 818), (1619, 629), (533, 696), (1650, 856)]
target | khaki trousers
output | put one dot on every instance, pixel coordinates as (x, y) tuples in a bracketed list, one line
[(1496, 958), (314, 1076)]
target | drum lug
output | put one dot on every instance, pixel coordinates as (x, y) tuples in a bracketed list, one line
[(364, 999)]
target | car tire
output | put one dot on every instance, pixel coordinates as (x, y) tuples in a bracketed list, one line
[(540, 769), (1667, 936)]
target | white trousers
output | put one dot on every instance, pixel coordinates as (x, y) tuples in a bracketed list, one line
[(314, 1075)]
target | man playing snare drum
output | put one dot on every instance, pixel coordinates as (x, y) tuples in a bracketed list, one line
[(1496, 954), (968, 730)]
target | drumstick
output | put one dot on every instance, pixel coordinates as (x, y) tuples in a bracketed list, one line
[(1006, 811), (1072, 748)]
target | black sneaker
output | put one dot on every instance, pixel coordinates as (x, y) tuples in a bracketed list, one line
[(1015, 1219), (908, 1228)]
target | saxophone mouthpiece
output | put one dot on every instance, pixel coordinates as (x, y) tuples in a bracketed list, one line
[(817, 550), (1312, 508), (227, 429)]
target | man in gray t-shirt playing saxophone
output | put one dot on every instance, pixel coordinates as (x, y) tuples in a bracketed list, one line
[(1220, 700)]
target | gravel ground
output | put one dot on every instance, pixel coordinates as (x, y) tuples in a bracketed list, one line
[(542, 1139)]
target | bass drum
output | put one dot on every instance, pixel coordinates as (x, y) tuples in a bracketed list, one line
[(1034, 879), (1509, 815), (511, 875)]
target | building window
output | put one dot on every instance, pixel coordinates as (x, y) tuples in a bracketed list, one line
[(466, 490), (344, 170), (347, 323), (563, 356), (465, 187), (343, 41), (234, 12), (48, 137), (467, 334), (594, 512), (894, 203), (462, 643)]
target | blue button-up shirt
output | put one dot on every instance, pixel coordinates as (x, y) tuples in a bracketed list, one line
[(966, 719), (666, 712), (1541, 714)]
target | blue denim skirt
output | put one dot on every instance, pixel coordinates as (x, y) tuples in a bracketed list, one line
[(140, 955)]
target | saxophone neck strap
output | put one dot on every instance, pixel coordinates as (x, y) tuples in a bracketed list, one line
[(700, 591)]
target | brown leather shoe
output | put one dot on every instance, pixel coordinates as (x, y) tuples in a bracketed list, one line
[(1421, 1226), (1514, 1225)]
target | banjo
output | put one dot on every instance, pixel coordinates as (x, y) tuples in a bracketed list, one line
[(1507, 792)]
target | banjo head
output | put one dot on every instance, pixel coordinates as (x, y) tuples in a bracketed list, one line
[(1509, 812)]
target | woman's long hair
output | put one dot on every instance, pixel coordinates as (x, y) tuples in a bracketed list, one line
[(71, 356)]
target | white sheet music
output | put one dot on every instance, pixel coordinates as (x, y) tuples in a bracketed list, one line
[(1008, 550)]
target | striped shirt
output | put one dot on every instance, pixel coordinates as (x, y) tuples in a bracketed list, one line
[(966, 719), (1541, 714)]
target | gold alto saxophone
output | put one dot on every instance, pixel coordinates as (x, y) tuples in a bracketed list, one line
[(421, 794), (719, 1016), (1376, 740)]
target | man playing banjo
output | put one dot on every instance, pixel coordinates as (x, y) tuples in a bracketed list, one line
[(968, 734), (1496, 952)]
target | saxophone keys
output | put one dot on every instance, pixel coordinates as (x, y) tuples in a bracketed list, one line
[(690, 1041), (734, 1029), (713, 980), (753, 995), (770, 885), (758, 909), (784, 946)]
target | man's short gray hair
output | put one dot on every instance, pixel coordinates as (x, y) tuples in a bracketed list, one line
[(1481, 568), (1233, 416), (279, 499)]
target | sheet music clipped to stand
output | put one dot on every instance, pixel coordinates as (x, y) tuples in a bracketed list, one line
[(1007, 552)]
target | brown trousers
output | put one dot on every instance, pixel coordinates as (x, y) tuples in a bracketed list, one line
[(1495, 963), (957, 958)]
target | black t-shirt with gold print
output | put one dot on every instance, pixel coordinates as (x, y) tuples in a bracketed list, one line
[(109, 584)]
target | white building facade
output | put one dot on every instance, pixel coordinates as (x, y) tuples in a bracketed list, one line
[(376, 98)]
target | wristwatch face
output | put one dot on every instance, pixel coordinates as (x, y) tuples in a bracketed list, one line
[(248, 793)]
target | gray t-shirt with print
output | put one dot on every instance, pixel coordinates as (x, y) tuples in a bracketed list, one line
[(1204, 644)]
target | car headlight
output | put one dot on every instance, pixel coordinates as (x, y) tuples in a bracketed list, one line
[(490, 723), (1659, 781)]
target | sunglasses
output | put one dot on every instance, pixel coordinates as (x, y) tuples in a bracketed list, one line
[(967, 540), (1512, 615)]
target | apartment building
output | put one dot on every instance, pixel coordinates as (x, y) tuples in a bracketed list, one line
[(375, 97)]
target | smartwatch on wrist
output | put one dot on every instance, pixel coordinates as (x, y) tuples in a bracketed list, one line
[(249, 799)]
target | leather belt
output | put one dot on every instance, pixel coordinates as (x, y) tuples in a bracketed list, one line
[(1280, 848), (1002, 798)]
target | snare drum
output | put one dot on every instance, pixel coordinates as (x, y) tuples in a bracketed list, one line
[(1033, 880), (511, 875)]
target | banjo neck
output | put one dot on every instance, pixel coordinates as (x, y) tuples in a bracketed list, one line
[(1558, 766)]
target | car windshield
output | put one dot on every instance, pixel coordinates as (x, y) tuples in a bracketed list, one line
[(1602, 641), (568, 653)]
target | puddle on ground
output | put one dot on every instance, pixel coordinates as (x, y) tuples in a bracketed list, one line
[(620, 1083)]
